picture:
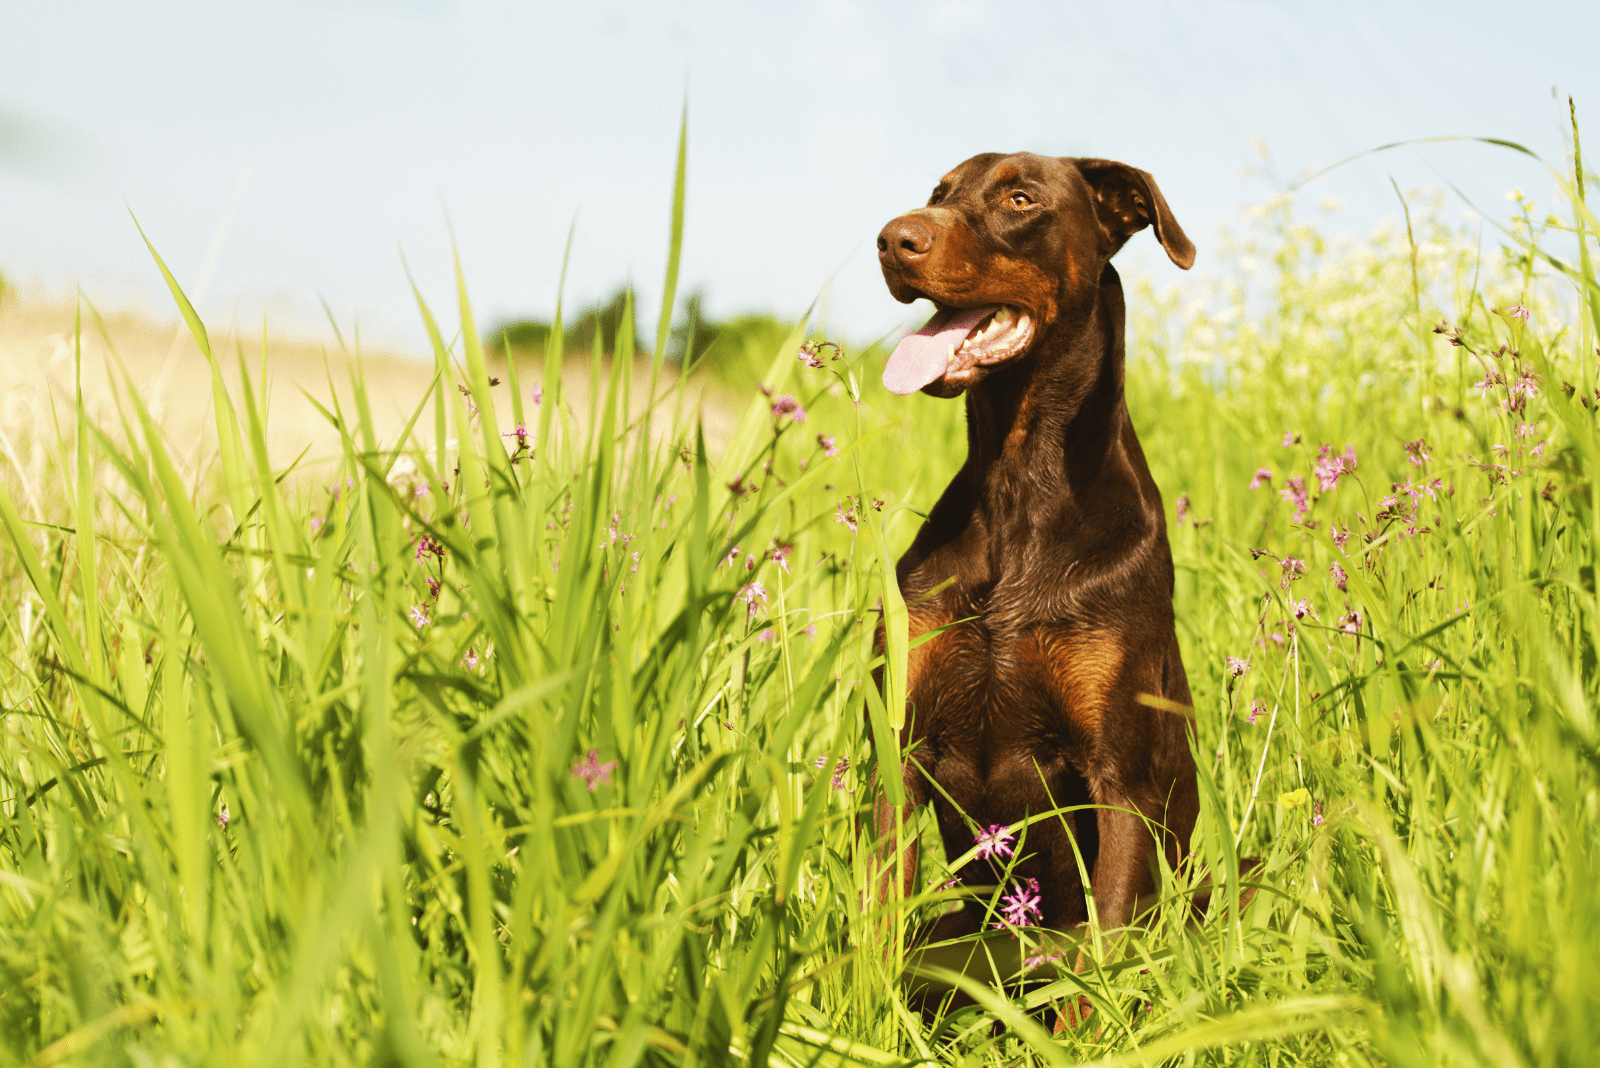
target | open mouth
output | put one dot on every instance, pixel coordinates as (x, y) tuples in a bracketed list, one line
[(954, 341)]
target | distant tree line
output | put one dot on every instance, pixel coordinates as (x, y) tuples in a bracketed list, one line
[(734, 348)]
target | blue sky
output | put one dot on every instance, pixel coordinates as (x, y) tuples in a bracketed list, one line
[(294, 147)]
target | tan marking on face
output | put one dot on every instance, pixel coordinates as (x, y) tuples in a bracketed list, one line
[(940, 218), (1085, 668), (976, 276), (961, 269)]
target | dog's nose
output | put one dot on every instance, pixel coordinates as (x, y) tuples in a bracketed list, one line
[(904, 238)]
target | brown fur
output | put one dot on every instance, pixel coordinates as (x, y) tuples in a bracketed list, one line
[(1054, 537)]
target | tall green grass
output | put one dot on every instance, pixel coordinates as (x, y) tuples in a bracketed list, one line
[(271, 797)]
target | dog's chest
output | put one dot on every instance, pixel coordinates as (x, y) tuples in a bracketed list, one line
[(997, 688)]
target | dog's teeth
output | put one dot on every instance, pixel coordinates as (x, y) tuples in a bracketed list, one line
[(1003, 315), (950, 359)]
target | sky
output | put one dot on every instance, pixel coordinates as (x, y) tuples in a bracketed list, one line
[(284, 154)]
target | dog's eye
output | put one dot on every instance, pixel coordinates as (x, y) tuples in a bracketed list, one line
[(1020, 200)]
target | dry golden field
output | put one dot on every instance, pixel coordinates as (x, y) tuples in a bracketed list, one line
[(167, 368)]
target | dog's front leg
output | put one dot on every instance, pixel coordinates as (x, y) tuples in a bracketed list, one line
[(1122, 882), (894, 861), (1124, 869)]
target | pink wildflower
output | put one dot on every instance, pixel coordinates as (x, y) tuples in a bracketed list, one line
[(1340, 579), (726, 560), (1030, 963), (837, 782), (780, 556), (753, 594), (993, 841), (765, 636), (1350, 623), (520, 433), (615, 535), (592, 771), (1331, 466), (1293, 568), (1263, 478), (538, 395), (846, 516), (810, 632), (1524, 387), (470, 660), (787, 405), (1237, 666), (1418, 452), (1020, 908), (1517, 311), (419, 616), (1294, 492), (1256, 710), (1290, 439), (810, 352), (829, 449), (1183, 507)]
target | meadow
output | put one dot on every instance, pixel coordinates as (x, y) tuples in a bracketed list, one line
[(546, 737)]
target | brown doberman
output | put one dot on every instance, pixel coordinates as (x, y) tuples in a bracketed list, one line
[(1067, 688)]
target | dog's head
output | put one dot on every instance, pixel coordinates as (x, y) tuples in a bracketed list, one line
[(1008, 246)]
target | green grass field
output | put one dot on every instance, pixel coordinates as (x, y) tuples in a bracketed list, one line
[(486, 747)]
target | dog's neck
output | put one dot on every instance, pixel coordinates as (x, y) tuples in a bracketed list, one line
[(1049, 438), (1055, 502)]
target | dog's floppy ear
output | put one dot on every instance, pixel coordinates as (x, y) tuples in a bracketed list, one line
[(1127, 200)]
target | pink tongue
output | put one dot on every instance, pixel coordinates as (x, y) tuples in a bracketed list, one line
[(923, 357)]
